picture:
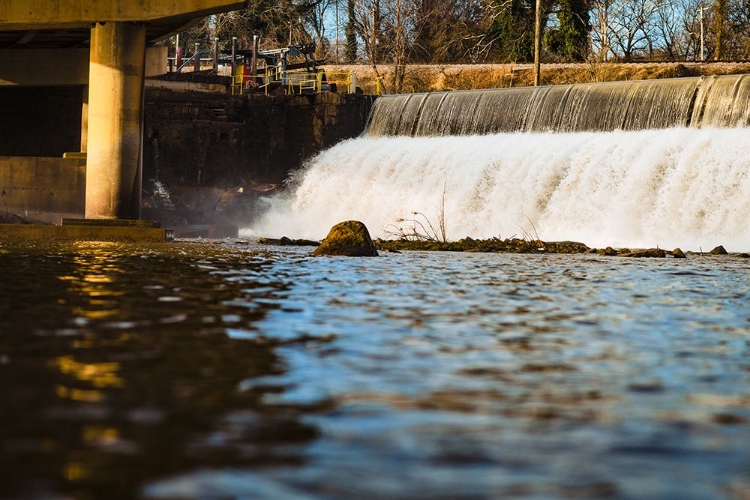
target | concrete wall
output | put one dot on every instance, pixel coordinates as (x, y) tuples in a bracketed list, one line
[(40, 121), (242, 141), (46, 189), (57, 67)]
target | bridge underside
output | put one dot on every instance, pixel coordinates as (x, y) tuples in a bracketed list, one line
[(105, 49)]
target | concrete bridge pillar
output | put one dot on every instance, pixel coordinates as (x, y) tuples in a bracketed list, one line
[(115, 110), (85, 119)]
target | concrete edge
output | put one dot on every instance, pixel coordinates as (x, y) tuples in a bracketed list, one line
[(34, 232)]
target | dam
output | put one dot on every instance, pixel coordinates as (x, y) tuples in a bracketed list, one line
[(630, 164), (716, 101)]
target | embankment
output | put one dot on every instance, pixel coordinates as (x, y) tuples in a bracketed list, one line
[(442, 77)]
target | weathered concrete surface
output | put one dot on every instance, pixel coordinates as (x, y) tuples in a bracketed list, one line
[(31, 14), (35, 232), (171, 82), (44, 189), (248, 142), (113, 175), (40, 121), (56, 67)]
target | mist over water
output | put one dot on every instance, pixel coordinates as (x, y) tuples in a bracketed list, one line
[(675, 187)]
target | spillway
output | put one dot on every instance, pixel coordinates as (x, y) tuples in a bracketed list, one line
[(633, 164), (716, 101)]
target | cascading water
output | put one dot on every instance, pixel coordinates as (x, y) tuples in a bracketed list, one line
[(686, 185), (719, 101), (161, 197)]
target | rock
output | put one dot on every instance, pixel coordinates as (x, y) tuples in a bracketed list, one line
[(651, 252), (349, 238), (718, 251), (286, 241), (745, 255), (678, 254), (608, 252), (565, 247)]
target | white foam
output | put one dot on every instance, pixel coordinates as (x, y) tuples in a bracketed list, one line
[(674, 187)]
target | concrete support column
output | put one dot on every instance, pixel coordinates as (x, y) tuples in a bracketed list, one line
[(85, 119), (115, 121)]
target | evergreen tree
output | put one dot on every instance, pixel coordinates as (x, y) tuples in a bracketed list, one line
[(570, 39), (513, 31)]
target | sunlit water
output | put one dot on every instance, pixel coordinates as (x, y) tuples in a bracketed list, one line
[(205, 371), (680, 187)]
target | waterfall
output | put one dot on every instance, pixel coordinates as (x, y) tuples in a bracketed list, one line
[(538, 170), (716, 101), (161, 197)]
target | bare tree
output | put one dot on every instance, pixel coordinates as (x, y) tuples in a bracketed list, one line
[(315, 20), (602, 15), (631, 29), (736, 42), (669, 29), (399, 28)]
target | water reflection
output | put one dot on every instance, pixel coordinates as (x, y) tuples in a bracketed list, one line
[(202, 371), (117, 367)]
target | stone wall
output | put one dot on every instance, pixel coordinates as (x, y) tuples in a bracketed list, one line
[(247, 142)]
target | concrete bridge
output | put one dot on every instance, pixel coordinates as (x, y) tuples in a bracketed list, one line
[(100, 51)]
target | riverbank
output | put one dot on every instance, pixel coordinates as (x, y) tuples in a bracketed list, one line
[(513, 245), (442, 77)]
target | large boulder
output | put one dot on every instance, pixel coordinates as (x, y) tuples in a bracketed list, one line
[(350, 238)]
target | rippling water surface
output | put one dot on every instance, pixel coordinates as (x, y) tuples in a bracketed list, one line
[(229, 370)]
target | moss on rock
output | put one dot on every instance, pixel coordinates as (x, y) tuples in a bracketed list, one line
[(350, 238)]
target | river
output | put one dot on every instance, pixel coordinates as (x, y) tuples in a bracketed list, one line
[(205, 370)]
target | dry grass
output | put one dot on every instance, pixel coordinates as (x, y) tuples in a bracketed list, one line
[(436, 78)]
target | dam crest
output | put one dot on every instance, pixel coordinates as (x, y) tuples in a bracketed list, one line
[(696, 102)]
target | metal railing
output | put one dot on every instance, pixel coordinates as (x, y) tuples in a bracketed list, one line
[(243, 83), (293, 82)]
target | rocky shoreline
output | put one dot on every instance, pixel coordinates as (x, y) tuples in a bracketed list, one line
[(514, 245), (490, 245)]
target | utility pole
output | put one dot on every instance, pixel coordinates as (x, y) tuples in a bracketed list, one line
[(538, 44), (178, 54), (216, 54), (703, 50), (234, 59), (254, 63)]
